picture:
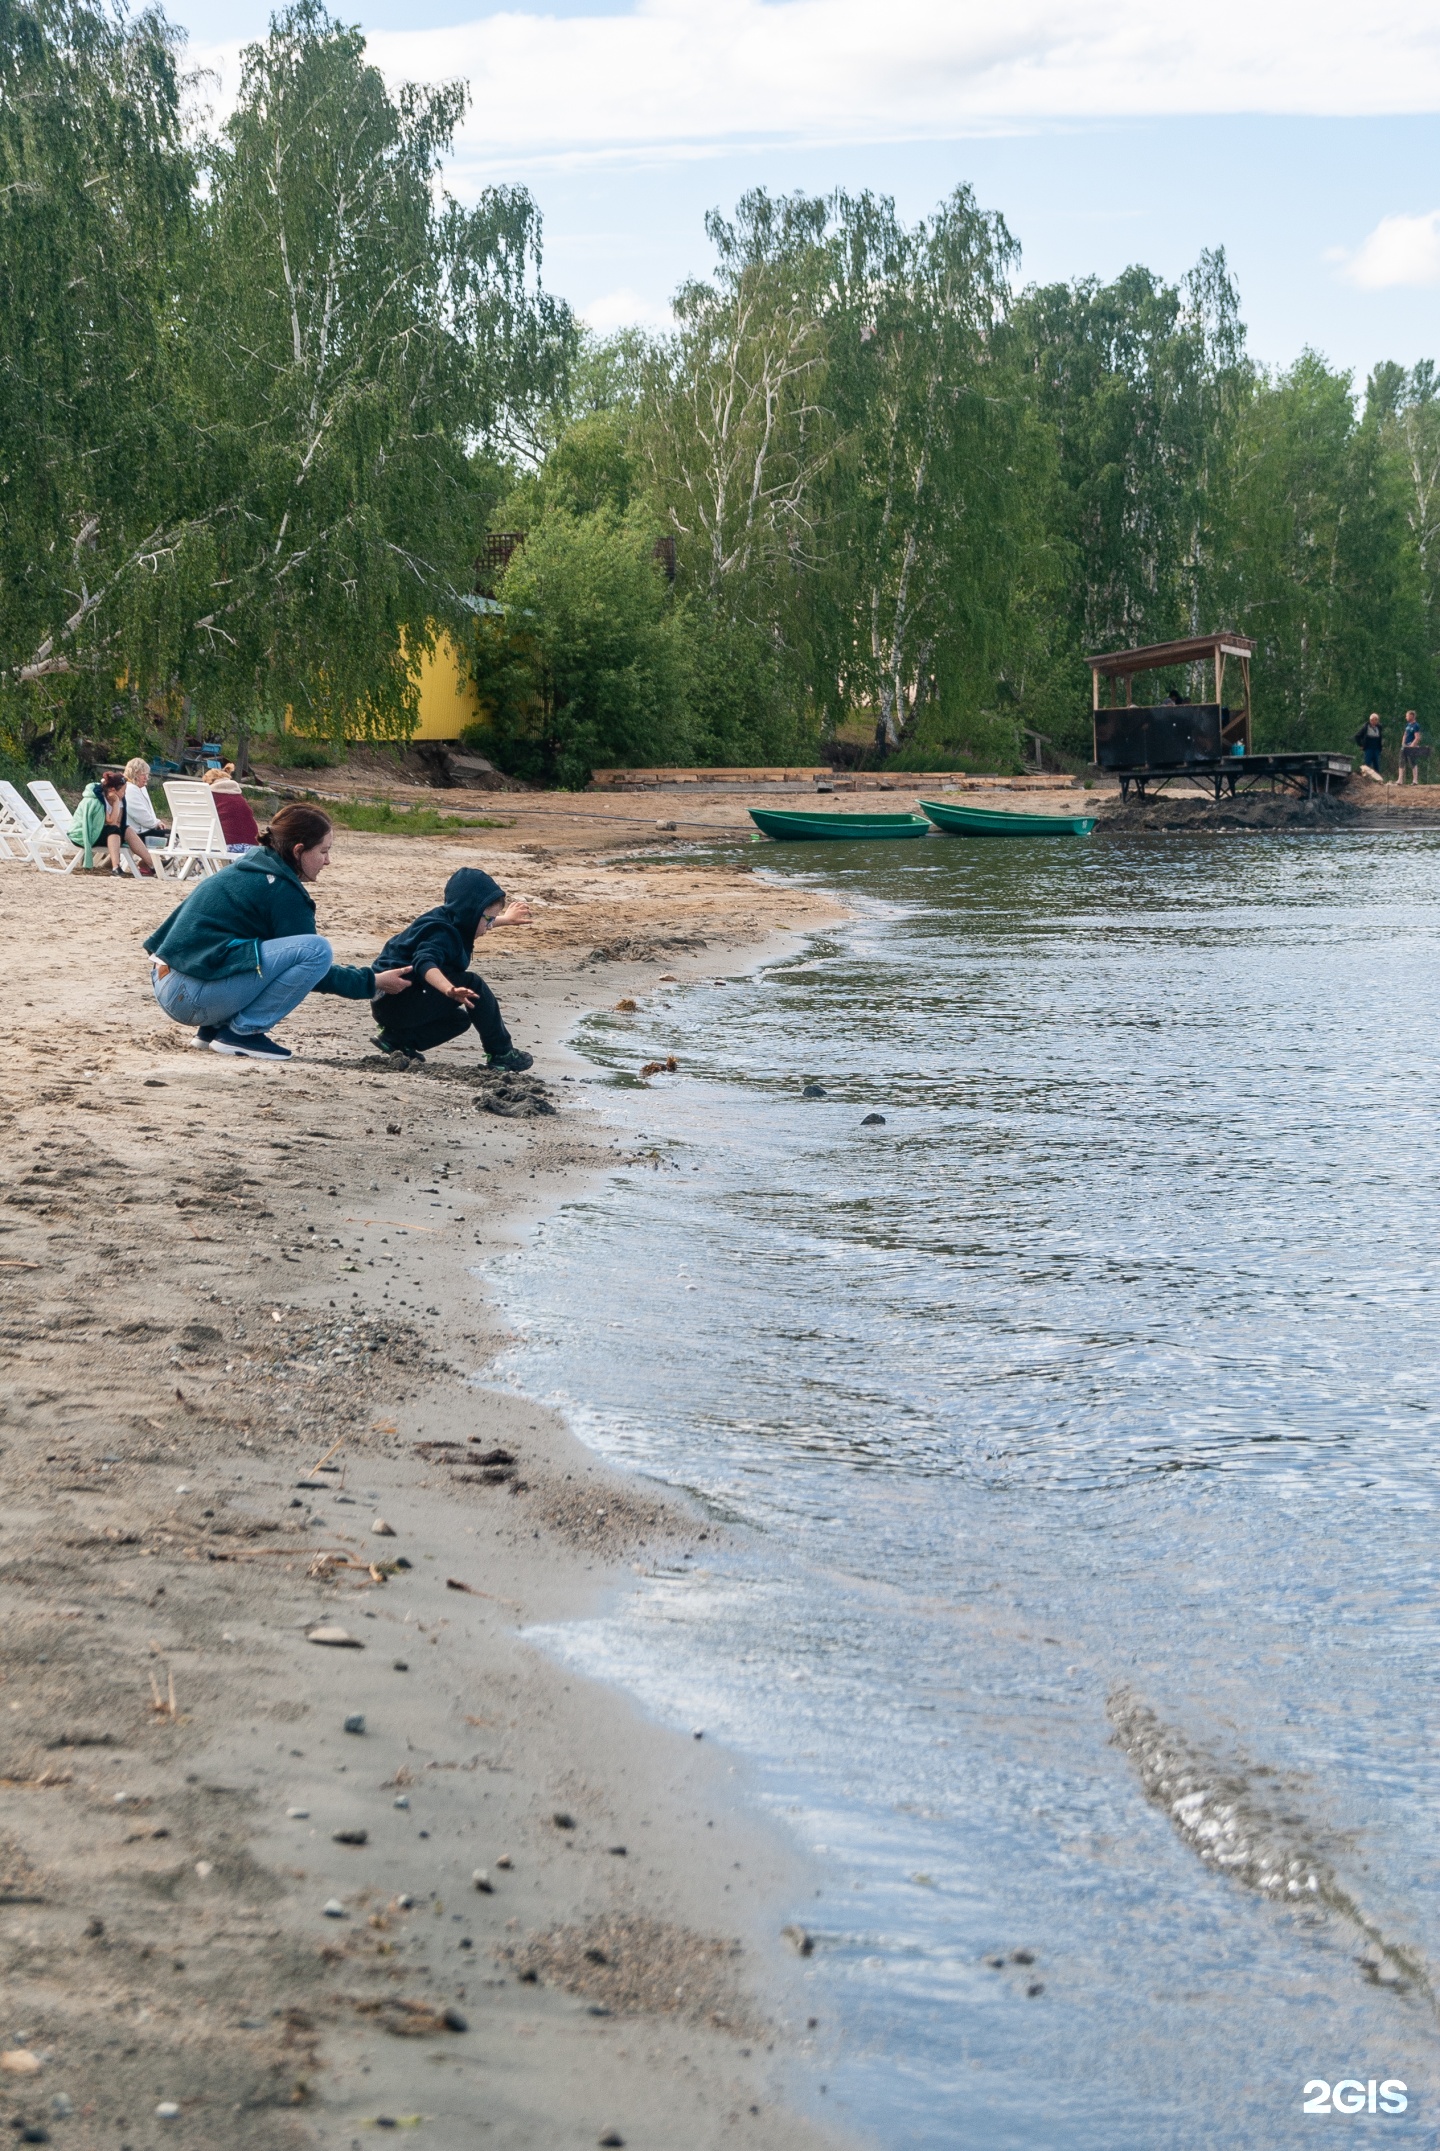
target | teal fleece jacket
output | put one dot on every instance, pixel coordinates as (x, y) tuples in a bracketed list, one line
[(88, 826), (216, 932)]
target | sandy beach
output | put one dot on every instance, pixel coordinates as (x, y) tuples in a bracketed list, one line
[(238, 1862)]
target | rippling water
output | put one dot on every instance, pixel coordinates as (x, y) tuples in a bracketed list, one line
[(1085, 1414)]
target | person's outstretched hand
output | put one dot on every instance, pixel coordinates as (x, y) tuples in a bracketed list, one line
[(515, 913), (393, 981)]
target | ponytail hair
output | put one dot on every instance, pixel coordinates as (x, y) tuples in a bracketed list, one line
[(296, 828)]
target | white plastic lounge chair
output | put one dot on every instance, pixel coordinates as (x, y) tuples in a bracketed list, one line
[(41, 846), (196, 838), (10, 828)]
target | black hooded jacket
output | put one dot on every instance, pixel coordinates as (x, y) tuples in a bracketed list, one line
[(444, 937)]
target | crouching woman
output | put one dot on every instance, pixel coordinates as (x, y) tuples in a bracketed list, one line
[(242, 952)]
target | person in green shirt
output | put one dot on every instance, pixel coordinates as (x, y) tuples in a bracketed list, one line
[(241, 952)]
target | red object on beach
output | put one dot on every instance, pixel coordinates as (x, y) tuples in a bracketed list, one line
[(236, 818)]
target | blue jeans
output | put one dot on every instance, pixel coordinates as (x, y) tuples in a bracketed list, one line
[(253, 1000)]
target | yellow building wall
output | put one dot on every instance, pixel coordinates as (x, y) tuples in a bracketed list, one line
[(448, 701)]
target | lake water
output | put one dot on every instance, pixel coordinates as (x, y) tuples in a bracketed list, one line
[(1085, 1419)]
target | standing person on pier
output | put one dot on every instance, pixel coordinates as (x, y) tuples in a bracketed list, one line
[(1411, 745), (1370, 739)]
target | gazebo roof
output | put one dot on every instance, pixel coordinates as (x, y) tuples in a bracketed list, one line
[(1156, 655)]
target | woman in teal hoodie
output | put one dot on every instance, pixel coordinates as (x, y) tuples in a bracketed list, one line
[(241, 952), (100, 825)]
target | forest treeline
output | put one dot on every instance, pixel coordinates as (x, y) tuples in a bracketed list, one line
[(266, 391)]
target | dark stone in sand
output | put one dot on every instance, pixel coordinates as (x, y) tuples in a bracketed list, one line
[(814, 1090), (562, 1821), (873, 1120), (455, 2020)]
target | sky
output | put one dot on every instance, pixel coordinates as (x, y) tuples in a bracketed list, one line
[(1303, 136)]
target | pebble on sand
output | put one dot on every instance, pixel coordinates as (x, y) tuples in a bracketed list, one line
[(873, 1120), (297, 1814), (355, 1723), (381, 1529), (562, 1821), (167, 2110), (611, 2138), (814, 1090), (349, 1837), (799, 1940), (504, 1860), (402, 1800), (482, 1881), (341, 1638), (19, 2061), (333, 1909)]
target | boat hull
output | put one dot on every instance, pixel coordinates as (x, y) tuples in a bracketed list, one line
[(998, 822), (792, 827)]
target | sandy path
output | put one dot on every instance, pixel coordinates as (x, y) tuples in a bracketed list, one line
[(209, 1273)]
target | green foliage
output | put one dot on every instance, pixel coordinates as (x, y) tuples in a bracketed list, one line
[(95, 200), (1322, 569), (586, 667), (978, 740), (746, 693), (384, 820), (262, 396), (254, 412), (290, 750)]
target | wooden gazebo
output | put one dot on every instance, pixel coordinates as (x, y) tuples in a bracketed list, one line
[(1185, 731)]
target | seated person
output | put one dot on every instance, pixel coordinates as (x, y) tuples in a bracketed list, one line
[(237, 818), (100, 824), (445, 996), (140, 814)]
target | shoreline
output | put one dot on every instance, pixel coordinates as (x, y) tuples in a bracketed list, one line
[(674, 816), (177, 1358)]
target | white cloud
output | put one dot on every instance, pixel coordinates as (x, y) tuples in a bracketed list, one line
[(674, 77), (1400, 250), (624, 309)]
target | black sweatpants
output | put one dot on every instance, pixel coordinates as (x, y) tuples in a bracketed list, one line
[(421, 1018)]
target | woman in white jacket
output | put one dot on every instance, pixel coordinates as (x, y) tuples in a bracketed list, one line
[(139, 814)]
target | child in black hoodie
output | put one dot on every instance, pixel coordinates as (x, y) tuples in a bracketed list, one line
[(445, 996)]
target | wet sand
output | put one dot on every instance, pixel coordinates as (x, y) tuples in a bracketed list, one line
[(213, 1276)]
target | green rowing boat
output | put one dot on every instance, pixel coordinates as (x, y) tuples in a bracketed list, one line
[(812, 828), (998, 821)]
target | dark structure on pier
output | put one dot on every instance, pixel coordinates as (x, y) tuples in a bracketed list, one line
[(1148, 744)]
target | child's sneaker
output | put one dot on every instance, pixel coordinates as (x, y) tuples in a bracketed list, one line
[(514, 1062), (407, 1054)]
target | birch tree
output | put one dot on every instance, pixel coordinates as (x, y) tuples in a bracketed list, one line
[(94, 205), (927, 496), (358, 337), (737, 429)]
